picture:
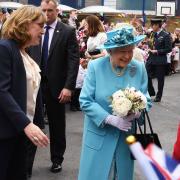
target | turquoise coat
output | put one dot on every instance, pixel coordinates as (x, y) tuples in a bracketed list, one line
[(103, 143)]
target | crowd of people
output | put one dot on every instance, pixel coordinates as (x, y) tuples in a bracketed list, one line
[(48, 61), (144, 51)]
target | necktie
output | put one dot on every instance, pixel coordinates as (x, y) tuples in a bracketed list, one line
[(154, 41), (45, 49), (155, 35)]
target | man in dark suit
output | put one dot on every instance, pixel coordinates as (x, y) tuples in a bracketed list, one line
[(59, 57), (157, 60)]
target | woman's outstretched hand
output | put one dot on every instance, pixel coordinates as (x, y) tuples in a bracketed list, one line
[(35, 134)]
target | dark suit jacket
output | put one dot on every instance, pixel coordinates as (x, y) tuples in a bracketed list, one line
[(13, 91), (63, 60), (163, 44)]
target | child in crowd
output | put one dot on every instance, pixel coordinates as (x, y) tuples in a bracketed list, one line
[(74, 105)]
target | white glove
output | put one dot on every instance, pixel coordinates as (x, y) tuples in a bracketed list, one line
[(133, 116), (118, 122)]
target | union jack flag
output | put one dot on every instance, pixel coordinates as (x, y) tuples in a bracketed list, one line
[(155, 163), (164, 166)]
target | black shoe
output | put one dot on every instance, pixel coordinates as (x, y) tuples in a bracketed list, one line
[(55, 168), (157, 99)]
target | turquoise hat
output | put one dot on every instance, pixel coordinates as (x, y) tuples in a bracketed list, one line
[(120, 38)]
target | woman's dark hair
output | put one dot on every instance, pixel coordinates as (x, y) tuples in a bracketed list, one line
[(94, 25)]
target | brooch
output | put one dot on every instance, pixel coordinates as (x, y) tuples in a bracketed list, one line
[(132, 71), (161, 37)]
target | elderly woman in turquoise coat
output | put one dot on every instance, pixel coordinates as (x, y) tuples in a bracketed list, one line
[(105, 154)]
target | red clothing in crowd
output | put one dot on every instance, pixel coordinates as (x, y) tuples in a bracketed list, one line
[(176, 153)]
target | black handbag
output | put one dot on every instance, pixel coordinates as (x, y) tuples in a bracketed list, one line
[(143, 137), (95, 52)]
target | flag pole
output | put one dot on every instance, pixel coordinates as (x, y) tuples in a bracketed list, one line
[(138, 152)]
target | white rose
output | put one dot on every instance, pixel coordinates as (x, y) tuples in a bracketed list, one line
[(121, 106), (118, 94)]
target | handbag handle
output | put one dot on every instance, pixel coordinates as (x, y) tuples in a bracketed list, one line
[(140, 129), (146, 116), (149, 122)]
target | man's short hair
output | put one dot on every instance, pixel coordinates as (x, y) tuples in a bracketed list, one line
[(3, 10), (53, 1)]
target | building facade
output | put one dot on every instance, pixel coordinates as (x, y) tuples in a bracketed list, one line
[(110, 3), (124, 5), (177, 7), (20, 1), (136, 7), (34, 2)]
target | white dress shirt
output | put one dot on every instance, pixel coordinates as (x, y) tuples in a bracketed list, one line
[(51, 33), (33, 79), (94, 42)]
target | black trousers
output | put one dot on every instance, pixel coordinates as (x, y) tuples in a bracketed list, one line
[(31, 152), (13, 153), (156, 71), (75, 98), (57, 125)]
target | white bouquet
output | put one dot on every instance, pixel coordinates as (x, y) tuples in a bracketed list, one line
[(128, 101)]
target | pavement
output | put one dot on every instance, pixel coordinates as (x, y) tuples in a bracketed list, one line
[(165, 117)]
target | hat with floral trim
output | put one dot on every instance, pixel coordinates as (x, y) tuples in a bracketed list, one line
[(120, 38)]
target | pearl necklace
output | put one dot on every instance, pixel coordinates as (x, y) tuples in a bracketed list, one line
[(120, 73)]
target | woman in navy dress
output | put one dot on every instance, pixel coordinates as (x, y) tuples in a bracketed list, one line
[(19, 85)]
